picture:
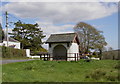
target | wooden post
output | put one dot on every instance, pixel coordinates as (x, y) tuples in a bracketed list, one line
[(44, 57), (66, 57), (40, 56), (47, 56), (75, 56)]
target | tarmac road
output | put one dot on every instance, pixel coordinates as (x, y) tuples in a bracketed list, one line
[(11, 61)]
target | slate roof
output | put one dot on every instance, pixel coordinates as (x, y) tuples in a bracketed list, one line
[(66, 37), (10, 39)]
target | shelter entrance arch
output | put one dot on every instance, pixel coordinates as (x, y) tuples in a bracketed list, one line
[(59, 53)]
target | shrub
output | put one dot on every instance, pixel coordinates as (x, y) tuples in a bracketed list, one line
[(35, 52), (28, 68), (52, 65), (97, 74), (90, 56), (112, 77), (87, 76), (117, 66), (114, 55), (8, 52), (93, 56)]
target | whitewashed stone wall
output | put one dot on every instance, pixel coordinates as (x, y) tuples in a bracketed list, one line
[(72, 48), (17, 44)]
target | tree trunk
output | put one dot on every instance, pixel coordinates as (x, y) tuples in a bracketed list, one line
[(100, 53)]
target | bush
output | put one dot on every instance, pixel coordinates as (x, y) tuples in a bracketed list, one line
[(87, 76), (93, 56), (35, 52), (28, 68), (90, 56), (97, 74), (112, 77), (114, 55), (117, 66), (8, 52)]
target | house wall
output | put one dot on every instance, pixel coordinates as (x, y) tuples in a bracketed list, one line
[(71, 49), (12, 43), (1, 44), (74, 48)]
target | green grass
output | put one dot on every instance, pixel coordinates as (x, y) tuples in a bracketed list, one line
[(60, 71)]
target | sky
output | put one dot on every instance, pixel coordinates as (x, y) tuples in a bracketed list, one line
[(61, 17)]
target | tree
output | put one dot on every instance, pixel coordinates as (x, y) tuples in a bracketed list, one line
[(110, 49), (1, 34), (30, 35), (90, 37), (111, 52)]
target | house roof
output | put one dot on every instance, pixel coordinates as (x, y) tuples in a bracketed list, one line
[(66, 37), (10, 39)]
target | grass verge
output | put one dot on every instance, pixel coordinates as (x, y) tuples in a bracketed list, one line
[(60, 71)]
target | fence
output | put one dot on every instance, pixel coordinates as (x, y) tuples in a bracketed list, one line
[(69, 57)]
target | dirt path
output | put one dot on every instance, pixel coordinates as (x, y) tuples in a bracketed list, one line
[(11, 61)]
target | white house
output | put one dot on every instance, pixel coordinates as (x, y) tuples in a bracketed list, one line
[(11, 43), (64, 46)]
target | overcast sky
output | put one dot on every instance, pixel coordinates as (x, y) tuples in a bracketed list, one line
[(61, 17)]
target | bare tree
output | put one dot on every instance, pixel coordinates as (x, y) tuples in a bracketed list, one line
[(90, 37)]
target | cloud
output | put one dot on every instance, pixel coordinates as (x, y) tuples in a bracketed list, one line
[(61, 12), (59, 0), (50, 28), (0, 19), (50, 14), (99, 26)]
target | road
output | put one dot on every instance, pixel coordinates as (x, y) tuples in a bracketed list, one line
[(11, 61)]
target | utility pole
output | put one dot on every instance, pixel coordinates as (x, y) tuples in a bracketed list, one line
[(7, 27)]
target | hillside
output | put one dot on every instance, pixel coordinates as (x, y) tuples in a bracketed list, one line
[(61, 71)]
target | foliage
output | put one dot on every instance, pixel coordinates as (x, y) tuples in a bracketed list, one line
[(90, 37), (97, 74), (90, 56), (8, 52), (1, 34), (112, 54), (42, 50), (117, 66), (30, 35), (100, 74), (59, 71), (96, 56), (112, 77)]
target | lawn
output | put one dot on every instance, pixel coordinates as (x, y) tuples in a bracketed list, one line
[(61, 71)]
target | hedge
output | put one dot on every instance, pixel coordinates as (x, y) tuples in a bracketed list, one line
[(8, 52), (114, 55)]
